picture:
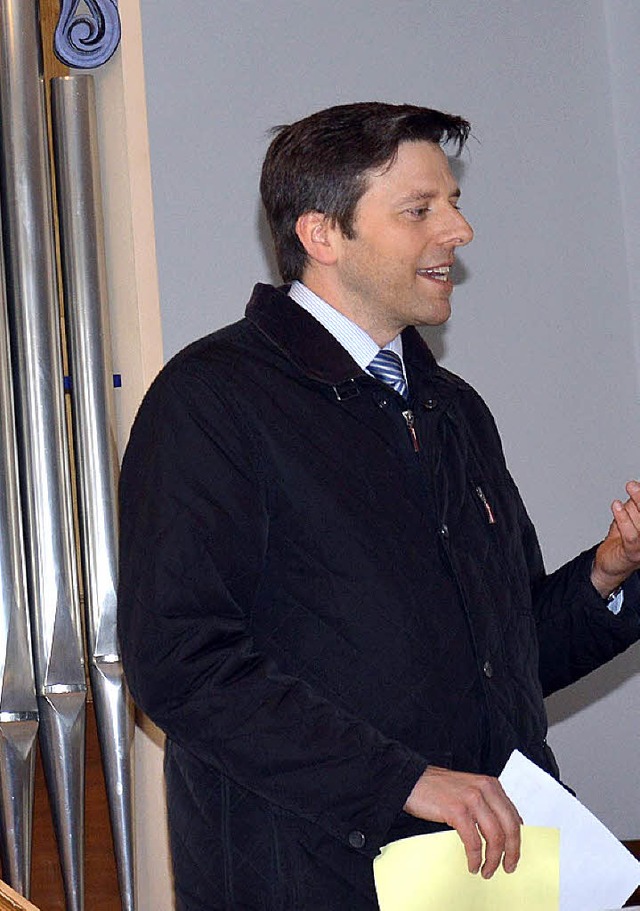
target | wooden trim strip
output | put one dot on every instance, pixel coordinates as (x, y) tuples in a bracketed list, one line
[(11, 901)]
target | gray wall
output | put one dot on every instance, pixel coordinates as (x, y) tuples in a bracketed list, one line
[(545, 323)]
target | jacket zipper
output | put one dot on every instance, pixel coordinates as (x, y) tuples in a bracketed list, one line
[(410, 421), (487, 506)]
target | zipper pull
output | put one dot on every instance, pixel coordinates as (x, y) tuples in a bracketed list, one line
[(487, 506), (410, 422)]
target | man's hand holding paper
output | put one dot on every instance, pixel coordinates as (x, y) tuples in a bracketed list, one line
[(477, 807), (569, 860)]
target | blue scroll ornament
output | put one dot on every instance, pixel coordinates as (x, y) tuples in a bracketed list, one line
[(87, 39)]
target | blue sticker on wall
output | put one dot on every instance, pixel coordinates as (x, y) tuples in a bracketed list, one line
[(88, 38)]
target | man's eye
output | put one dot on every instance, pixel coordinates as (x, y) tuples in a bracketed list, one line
[(419, 212)]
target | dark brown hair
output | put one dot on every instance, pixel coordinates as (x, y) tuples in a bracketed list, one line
[(321, 163)]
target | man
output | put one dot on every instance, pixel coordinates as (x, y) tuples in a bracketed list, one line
[(332, 599)]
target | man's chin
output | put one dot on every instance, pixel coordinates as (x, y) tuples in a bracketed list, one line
[(435, 315)]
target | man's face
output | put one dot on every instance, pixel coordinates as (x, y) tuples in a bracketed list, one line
[(395, 271)]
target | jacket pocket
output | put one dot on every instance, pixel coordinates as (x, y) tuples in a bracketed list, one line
[(495, 529)]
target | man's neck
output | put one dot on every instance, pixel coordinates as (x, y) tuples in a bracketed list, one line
[(379, 330), (352, 337)]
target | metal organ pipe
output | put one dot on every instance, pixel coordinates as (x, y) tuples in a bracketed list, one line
[(25, 189), (18, 706), (86, 317)]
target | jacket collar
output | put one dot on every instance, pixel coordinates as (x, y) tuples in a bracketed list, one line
[(314, 351)]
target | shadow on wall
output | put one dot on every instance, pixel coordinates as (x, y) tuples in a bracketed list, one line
[(264, 236), (436, 339), (594, 687)]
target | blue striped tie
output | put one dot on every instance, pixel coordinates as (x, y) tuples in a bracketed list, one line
[(387, 366)]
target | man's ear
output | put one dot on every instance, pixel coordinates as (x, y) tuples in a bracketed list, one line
[(316, 233)]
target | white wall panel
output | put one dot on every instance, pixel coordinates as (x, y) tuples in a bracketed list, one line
[(544, 322)]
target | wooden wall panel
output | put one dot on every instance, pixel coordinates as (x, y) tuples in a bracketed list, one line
[(634, 847), (49, 12)]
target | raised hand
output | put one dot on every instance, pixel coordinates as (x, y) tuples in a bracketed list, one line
[(619, 554)]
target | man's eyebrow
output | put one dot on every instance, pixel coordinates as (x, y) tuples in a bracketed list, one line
[(426, 195)]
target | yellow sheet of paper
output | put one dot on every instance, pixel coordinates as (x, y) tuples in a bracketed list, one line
[(429, 873)]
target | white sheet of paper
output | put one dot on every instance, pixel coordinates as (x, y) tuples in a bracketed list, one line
[(596, 870)]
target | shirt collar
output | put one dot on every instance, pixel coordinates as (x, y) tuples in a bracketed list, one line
[(304, 342), (355, 340)]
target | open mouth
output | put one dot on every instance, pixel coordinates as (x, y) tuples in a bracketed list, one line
[(437, 273)]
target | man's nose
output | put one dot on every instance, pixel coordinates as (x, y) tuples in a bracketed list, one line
[(461, 230)]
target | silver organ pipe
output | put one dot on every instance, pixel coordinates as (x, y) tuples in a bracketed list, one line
[(86, 317), (25, 188), (18, 706)]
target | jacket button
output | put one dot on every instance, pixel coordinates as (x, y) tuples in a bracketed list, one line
[(383, 403), (356, 839), (444, 531), (431, 404), (487, 668)]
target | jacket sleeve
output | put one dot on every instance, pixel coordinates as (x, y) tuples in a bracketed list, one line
[(577, 633), (193, 541)]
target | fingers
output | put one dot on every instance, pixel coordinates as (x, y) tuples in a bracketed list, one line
[(619, 554), (627, 516), (509, 821), (470, 837), (477, 807), (628, 524), (489, 813)]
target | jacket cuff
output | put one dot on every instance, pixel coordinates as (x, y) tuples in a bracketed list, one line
[(367, 831), (630, 589), (631, 592)]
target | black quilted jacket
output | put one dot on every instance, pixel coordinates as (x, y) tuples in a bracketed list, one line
[(324, 588)]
